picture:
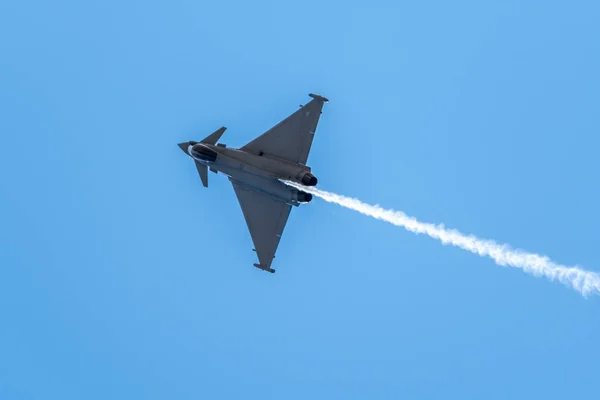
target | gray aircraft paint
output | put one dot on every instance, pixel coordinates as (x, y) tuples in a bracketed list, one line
[(256, 170)]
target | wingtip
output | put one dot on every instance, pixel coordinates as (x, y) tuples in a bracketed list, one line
[(318, 97), (264, 268)]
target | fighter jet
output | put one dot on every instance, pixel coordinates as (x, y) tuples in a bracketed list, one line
[(257, 170)]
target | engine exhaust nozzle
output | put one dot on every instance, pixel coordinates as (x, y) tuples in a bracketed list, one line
[(304, 197), (309, 179)]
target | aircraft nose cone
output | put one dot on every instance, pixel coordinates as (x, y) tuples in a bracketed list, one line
[(184, 146)]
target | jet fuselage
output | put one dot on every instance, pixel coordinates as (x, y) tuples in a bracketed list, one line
[(262, 172), (258, 172)]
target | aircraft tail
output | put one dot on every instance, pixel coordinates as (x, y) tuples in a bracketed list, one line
[(214, 137), (203, 172)]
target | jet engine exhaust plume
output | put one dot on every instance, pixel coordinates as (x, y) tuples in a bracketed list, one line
[(585, 282)]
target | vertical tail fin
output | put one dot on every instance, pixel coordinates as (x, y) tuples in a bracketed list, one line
[(203, 172), (214, 137)]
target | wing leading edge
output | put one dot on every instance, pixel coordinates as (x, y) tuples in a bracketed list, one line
[(266, 219), (292, 138)]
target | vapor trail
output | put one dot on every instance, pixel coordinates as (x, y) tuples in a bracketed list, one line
[(585, 282)]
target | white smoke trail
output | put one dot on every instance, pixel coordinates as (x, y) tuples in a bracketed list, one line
[(584, 281)]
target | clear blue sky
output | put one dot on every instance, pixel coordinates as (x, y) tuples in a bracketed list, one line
[(121, 277)]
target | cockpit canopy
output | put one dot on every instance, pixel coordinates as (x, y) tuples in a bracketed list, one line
[(205, 153)]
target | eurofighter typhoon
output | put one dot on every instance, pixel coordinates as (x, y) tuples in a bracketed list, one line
[(257, 169)]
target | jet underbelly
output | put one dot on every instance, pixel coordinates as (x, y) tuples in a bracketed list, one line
[(232, 166), (273, 167), (272, 188)]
